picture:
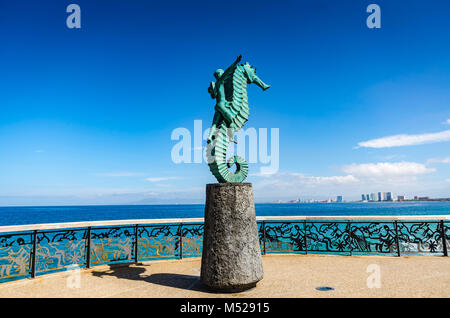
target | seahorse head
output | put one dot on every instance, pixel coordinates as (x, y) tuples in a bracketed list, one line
[(250, 74)]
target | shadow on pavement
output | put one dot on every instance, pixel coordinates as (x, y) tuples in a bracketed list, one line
[(133, 272)]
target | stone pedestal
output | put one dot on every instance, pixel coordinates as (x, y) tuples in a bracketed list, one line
[(231, 259)]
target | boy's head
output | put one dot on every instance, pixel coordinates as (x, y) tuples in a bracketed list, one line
[(218, 73)]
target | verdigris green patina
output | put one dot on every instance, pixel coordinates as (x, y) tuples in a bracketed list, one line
[(232, 111)]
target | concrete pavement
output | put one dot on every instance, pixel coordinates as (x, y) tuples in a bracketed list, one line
[(284, 276)]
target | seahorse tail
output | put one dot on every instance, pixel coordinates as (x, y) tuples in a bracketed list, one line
[(216, 153)]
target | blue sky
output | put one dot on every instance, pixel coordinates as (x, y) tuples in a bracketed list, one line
[(86, 114)]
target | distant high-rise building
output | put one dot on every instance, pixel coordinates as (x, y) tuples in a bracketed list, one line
[(339, 198), (380, 196), (363, 197), (372, 197), (368, 197), (388, 196), (401, 198)]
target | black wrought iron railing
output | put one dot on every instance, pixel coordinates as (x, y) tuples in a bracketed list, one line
[(32, 250)]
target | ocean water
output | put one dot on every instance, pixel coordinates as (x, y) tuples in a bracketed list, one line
[(58, 214)]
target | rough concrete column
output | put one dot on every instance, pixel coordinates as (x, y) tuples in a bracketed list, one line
[(231, 259)]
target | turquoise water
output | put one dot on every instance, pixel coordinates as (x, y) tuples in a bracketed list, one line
[(55, 214)]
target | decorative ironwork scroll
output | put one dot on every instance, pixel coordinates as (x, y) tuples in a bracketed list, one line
[(112, 245), (282, 237), (192, 240), (15, 261), (60, 249), (371, 237), (330, 237), (420, 237), (158, 241)]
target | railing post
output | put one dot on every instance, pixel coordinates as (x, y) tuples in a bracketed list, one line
[(136, 243), (33, 255), (181, 240), (349, 231), (306, 237), (396, 238), (88, 248), (264, 237), (444, 238)]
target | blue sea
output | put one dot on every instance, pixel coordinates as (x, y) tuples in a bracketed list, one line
[(58, 214)]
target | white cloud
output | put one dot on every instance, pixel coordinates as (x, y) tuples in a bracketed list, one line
[(39, 150), (406, 140), (356, 174), (447, 122), (159, 179), (288, 186), (387, 169), (293, 185), (400, 177), (438, 160), (119, 174)]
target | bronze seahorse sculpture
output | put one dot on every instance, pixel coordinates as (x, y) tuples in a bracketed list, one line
[(232, 111)]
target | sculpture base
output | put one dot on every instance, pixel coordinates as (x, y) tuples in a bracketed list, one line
[(231, 260)]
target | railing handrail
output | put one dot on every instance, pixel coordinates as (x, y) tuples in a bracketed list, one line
[(357, 218), (74, 225)]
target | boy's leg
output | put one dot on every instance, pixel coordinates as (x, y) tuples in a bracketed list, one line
[(226, 114)]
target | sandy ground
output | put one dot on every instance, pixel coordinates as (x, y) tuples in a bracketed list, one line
[(284, 276)]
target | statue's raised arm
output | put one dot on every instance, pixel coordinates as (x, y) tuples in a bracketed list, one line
[(229, 70)]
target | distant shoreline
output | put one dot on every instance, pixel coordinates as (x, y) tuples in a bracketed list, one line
[(202, 204), (304, 202)]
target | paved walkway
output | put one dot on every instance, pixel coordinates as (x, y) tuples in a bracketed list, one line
[(284, 276)]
